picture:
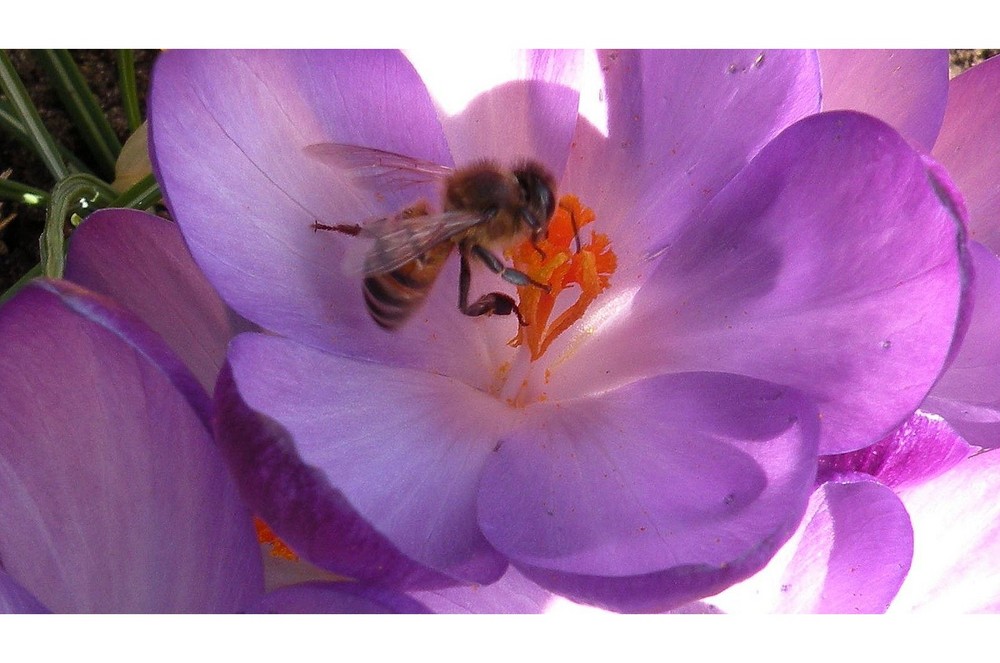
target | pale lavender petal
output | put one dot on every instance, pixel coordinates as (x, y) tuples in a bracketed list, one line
[(116, 499), (919, 450), (906, 88), (338, 598), (679, 125), (786, 277), (696, 608), (968, 393), (15, 599), (666, 591), (512, 594), (850, 555), (969, 146), (575, 497), (504, 105), (956, 530), (400, 449), (140, 261), (228, 132)]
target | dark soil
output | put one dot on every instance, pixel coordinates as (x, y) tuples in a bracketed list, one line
[(19, 236)]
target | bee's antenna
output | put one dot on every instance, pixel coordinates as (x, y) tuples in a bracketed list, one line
[(347, 229)]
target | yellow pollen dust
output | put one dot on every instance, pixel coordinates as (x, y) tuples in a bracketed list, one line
[(560, 268), (266, 536)]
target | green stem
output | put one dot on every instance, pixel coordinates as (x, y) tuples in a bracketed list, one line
[(77, 193), (129, 88), (21, 282), (22, 193), (142, 195), (11, 125), (41, 140), (82, 106)]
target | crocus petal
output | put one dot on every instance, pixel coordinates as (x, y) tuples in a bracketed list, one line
[(116, 499), (228, 132), (424, 436), (969, 146), (968, 393), (919, 450), (680, 124), (578, 491), (337, 598), (140, 261), (956, 529), (850, 555), (907, 88), (512, 594), (787, 277), (505, 105), (15, 599)]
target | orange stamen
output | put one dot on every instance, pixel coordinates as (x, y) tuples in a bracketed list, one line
[(278, 547), (561, 268)]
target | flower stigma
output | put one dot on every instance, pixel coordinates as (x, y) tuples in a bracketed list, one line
[(555, 262)]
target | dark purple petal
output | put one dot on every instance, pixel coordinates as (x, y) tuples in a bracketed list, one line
[(228, 132), (906, 88), (116, 499), (694, 476), (505, 105), (956, 530), (339, 598), (399, 449), (679, 125), (969, 146), (919, 450), (15, 599), (850, 555), (830, 265), (140, 261)]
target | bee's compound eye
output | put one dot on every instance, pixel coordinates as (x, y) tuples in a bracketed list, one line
[(538, 187), (546, 201)]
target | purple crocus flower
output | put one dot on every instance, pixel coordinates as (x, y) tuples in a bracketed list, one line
[(653, 445), (115, 496)]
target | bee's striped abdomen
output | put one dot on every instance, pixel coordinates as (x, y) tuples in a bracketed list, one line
[(393, 296)]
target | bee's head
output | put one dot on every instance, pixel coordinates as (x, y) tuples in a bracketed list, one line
[(538, 188)]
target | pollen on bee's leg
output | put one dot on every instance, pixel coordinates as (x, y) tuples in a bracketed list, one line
[(557, 263)]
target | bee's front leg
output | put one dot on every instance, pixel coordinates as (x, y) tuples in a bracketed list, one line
[(494, 302), (508, 274)]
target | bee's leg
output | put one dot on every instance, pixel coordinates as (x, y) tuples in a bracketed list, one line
[(492, 303), (506, 273), (346, 228)]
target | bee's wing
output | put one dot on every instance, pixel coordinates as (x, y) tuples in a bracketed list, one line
[(398, 241), (377, 169)]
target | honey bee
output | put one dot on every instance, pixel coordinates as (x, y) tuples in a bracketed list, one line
[(484, 208)]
